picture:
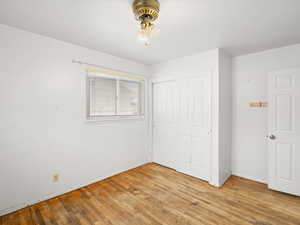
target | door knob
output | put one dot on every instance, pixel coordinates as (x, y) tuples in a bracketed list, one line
[(272, 137)]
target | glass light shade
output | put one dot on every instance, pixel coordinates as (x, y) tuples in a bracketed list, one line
[(147, 32)]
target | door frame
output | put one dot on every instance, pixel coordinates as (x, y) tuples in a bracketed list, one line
[(176, 78)]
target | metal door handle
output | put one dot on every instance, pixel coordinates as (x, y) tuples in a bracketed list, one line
[(272, 137)]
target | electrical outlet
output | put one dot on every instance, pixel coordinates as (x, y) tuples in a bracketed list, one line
[(55, 178)]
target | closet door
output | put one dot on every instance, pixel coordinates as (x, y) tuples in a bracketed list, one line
[(164, 123), (181, 125), (194, 127)]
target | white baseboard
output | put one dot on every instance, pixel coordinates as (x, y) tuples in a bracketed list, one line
[(224, 178), (69, 189), (12, 209), (250, 177), (52, 195)]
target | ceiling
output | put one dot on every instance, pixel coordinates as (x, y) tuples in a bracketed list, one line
[(187, 26)]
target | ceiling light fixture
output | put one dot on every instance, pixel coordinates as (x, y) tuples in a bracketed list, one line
[(146, 11)]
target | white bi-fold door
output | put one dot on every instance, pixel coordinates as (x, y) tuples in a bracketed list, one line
[(164, 123), (182, 124), (284, 131)]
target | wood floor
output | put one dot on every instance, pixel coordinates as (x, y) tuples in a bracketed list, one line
[(155, 195)]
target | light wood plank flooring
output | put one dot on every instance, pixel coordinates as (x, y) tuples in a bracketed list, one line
[(152, 194)]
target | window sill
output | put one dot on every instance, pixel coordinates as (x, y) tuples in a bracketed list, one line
[(114, 119)]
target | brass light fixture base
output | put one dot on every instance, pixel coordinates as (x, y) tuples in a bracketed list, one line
[(146, 10)]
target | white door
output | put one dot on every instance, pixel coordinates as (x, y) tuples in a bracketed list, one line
[(194, 127), (164, 124), (181, 125), (284, 131)]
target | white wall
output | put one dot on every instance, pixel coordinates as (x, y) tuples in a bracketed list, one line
[(225, 115), (42, 121), (188, 65), (42, 118), (249, 156)]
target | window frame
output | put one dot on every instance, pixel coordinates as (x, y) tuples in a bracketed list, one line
[(142, 97)]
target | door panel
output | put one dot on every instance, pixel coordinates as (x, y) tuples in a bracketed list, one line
[(284, 160), (284, 109), (284, 126), (200, 128), (187, 136), (164, 128)]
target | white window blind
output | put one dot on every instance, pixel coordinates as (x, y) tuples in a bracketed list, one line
[(114, 97), (103, 97), (129, 100)]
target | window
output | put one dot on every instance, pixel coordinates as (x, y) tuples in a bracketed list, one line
[(114, 97)]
